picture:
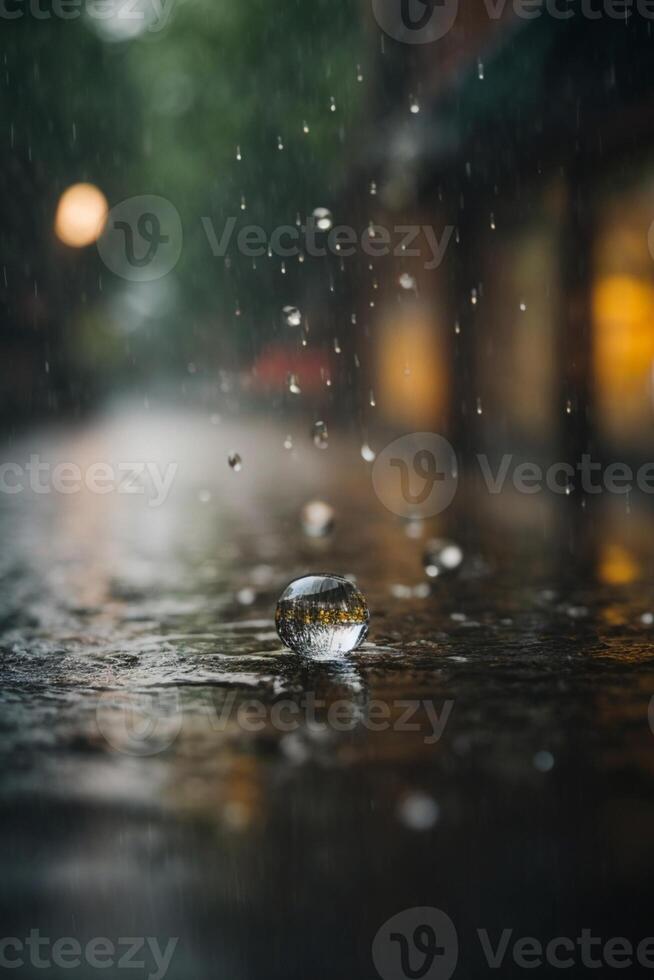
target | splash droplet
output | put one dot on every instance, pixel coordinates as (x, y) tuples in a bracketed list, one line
[(442, 557)]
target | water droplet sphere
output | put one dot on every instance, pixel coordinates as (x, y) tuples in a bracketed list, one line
[(322, 616)]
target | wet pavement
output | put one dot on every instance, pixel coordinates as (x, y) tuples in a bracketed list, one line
[(168, 770)]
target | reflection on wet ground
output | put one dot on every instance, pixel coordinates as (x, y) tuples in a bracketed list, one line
[(169, 770)]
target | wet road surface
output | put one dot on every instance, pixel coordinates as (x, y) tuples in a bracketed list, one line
[(168, 770)]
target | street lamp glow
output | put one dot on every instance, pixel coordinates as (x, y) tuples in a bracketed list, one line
[(81, 215)]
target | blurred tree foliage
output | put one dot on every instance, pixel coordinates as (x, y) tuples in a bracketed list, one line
[(163, 113)]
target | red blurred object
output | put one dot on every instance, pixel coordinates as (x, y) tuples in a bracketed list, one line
[(271, 370)]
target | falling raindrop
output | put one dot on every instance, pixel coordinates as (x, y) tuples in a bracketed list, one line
[(239, 155), (235, 462), (480, 70), (414, 106), (292, 316), (544, 761), (322, 616), (523, 307), (457, 328), (323, 218), (243, 203), (480, 408), (305, 127), (373, 188), (359, 73), (317, 519), (419, 812), (407, 281), (294, 384), (368, 454), (373, 403), (492, 222), (288, 442), (332, 103), (474, 297), (337, 347), (568, 407), (442, 557), (280, 143), (320, 435)]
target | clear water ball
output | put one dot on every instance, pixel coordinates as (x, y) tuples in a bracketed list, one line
[(442, 557), (322, 617)]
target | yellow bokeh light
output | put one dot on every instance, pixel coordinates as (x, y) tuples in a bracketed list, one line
[(411, 383), (623, 314), (618, 566), (81, 215)]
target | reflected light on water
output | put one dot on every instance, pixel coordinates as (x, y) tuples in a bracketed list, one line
[(81, 215)]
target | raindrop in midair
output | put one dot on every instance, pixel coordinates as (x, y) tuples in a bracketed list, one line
[(320, 435), (292, 316), (323, 218), (317, 519)]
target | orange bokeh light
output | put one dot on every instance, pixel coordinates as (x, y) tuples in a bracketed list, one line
[(81, 215)]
